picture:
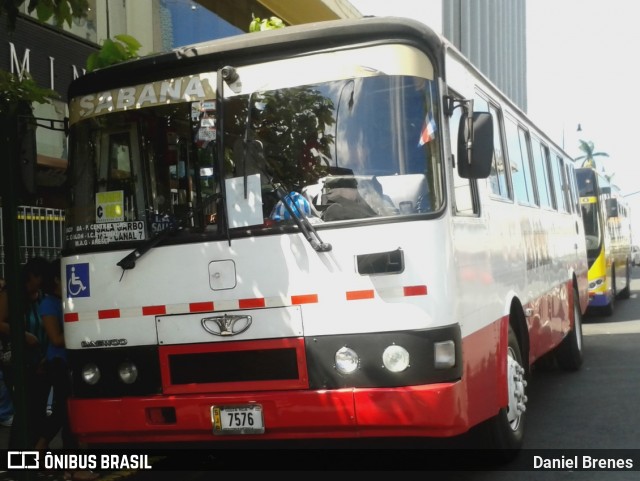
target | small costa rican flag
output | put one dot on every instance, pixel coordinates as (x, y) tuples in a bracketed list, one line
[(428, 130)]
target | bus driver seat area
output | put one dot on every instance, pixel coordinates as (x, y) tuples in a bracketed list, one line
[(357, 197)]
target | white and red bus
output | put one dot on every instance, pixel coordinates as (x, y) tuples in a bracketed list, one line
[(336, 230)]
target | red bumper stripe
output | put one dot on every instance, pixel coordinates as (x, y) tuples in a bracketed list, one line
[(109, 314), (201, 307), (154, 310)]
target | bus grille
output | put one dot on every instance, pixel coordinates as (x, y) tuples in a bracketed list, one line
[(234, 366)]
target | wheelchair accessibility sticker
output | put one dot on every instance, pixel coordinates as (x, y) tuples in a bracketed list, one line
[(78, 280)]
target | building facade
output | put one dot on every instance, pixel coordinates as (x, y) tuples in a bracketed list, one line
[(492, 34)]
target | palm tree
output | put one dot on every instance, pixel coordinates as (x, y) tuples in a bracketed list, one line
[(589, 154)]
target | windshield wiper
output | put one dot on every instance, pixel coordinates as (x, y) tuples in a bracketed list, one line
[(301, 220), (129, 261), (254, 148)]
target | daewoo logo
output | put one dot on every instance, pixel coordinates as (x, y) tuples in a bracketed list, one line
[(104, 343), (226, 325)]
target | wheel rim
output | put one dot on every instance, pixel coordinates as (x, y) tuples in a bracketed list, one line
[(516, 384)]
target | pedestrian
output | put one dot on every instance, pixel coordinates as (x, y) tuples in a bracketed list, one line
[(6, 403), (50, 310), (36, 384), (57, 370)]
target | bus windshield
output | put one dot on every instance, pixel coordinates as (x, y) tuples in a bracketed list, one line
[(340, 150), (590, 204)]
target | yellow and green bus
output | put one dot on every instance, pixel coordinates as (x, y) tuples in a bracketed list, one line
[(608, 234)]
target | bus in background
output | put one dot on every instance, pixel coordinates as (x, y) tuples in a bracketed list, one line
[(340, 230), (635, 255), (608, 232)]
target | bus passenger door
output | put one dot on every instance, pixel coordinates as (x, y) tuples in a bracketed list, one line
[(120, 171)]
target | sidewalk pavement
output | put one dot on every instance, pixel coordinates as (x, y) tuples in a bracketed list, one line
[(50, 475), (56, 443)]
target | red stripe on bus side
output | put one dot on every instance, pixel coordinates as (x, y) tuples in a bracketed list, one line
[(71, 317), (109, 314), (201, 307), (305, 299), (251, 303), (154, 310), (415, 291), (358, 295)]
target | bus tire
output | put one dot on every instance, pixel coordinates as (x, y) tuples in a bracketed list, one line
[(569, 353), (505, 431), (626, 292), (611, 307)]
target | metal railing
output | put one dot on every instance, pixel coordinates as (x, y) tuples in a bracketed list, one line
[(40, 231)]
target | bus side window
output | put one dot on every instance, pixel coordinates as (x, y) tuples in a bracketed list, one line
[(519, 163), (498, 176), (573, 194), (559, 183), (541, 167)]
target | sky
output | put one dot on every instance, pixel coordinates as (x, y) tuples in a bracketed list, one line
[(582, 63)]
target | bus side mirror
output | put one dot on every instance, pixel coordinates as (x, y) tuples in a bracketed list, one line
[(475, 145), (612, 207)]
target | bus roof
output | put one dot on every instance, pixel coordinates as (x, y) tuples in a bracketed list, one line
[(248, 47)]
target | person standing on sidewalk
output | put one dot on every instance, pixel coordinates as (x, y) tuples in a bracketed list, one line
[(36, 384), (56, 361), (57, 370), (6, 404)]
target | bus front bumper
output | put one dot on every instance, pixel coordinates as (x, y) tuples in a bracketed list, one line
[(414, 411)]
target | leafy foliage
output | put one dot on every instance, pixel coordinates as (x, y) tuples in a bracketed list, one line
[(124, 47), (272, 23), (60, 10), (589, 154), (14, 91), (292, 122)]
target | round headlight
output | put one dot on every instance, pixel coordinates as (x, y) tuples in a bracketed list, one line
[(395, 358), (91, 373), (128, 372), (346, 360)]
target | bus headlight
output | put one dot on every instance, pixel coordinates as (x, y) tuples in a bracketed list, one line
[(395, 358), (91, 373), (128, 372), (347, 360), (444, 354), (596, 283)]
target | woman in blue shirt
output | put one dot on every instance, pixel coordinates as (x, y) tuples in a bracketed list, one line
[(57, 369), (50, 310)]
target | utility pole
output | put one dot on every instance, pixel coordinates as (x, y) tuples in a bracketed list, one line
[(10, 183)]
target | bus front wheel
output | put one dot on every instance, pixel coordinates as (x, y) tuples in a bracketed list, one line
[(505, 431), (569, 353), (610, 308)]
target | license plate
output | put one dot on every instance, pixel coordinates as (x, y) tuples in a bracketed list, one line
[(242, 419)]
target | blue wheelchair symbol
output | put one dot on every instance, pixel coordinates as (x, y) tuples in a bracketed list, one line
[(78, 280)]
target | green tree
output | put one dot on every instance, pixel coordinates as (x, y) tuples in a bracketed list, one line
[(60, 11), (293, 122), (15, 90), (122, 48), (272, 23), (588, 159)]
